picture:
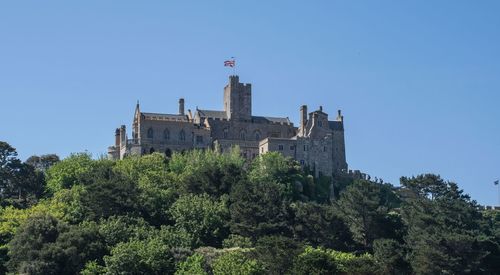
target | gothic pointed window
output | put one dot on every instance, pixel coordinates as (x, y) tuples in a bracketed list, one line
[(182, 135), (257, 135), (166, 134), (242, 134), (150, 133)]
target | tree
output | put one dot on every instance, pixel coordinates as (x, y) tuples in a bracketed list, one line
[(276, 253), (258, 209), (314, 261), (193, 265), (106, 197), (236, 263), (202, 217), (20, 184), (68, 172), (390, 256), (319, 225), (365, 207), (157, 192), (443, 226), (149, 256), (44, 245), (274, 167), (42, 163), (206, 171)]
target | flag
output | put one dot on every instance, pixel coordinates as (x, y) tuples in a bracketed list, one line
[(229, 63), (496, 182)]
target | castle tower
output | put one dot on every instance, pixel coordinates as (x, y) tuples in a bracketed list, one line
[(238, 100)]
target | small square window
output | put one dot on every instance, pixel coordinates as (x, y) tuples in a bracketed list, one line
[(302, 162), (280, 147), (292, 147)]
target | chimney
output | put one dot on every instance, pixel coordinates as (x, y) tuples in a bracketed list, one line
[(340, 117), (303, 119), (117, 137), (181, 106), (123, 136)]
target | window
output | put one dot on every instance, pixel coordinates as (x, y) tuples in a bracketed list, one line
[(182, 135), (225, 132), (320, 123), (199, 139), (280, 147), (262, 149), (292, 147), (257, 135), (150, 133), (324, 148), (166, 134), (302, 162), (242, 134), (305, 147)]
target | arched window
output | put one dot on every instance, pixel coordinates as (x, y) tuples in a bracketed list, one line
[(166, 134), (242, 134), (150, 133), (257, 135), (182, 135), (226, 132)]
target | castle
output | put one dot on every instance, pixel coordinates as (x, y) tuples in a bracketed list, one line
[(318, 143)]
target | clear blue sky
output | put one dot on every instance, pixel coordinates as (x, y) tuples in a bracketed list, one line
[(418, 81)]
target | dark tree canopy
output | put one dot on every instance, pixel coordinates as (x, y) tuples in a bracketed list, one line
[(203, 212)]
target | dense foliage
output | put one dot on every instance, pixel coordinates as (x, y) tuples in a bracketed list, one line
[(202, 212)]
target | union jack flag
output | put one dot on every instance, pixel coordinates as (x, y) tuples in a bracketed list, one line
[(229, 63)]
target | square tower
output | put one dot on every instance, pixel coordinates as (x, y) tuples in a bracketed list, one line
[(238, 100)]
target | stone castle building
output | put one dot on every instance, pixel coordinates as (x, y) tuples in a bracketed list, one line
[(317, 142)]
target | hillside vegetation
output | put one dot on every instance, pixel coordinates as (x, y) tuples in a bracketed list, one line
[(201, 212)]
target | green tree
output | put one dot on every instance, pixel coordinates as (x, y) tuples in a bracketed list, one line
[(206, 171), (276, 253), (365, 206), (42, 163), (390, 256), (193, 265), (149, 256), (68, 172), (258, 209), (236, 263), (314, 261), (20, 184), (202, 217), (44, 245), (319, 225), (274, 167), (443, 226), (157, 192), (106, 197)]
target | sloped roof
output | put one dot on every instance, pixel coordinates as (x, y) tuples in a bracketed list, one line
[(263, 119), (212, 114), (336, 125)]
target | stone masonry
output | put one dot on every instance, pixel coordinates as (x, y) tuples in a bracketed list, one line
[(317, 143)]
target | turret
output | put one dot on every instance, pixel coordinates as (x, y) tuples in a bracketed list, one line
[(181, 106)]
